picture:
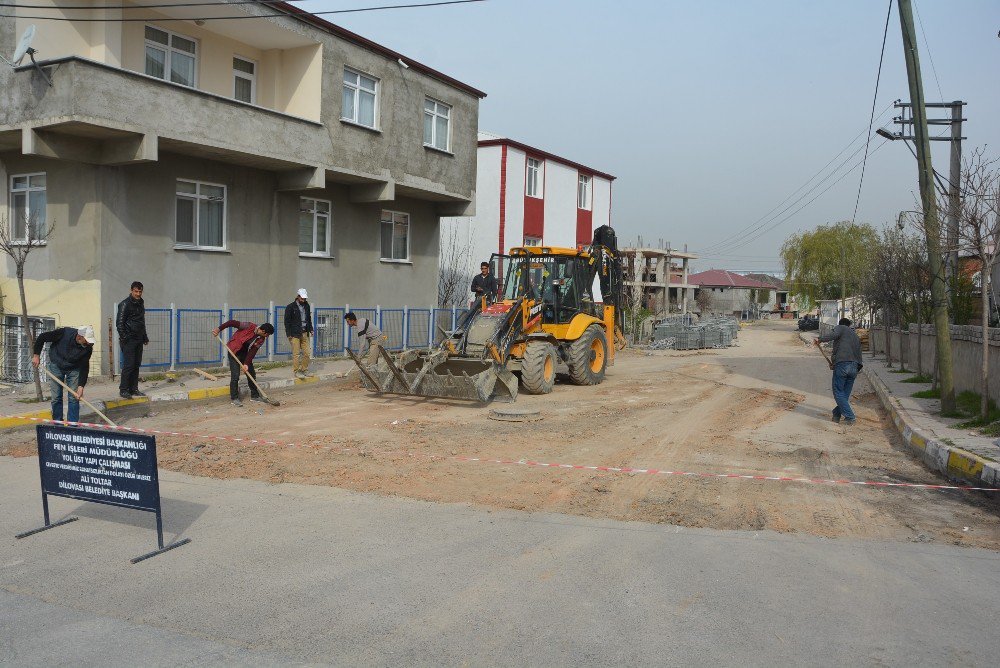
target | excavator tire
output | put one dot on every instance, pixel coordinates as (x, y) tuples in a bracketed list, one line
[(538, 370), (588, 357)]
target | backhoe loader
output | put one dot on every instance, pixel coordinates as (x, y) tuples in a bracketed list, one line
[(545, 323)]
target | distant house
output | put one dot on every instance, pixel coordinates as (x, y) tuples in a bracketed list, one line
[(732, 293), (784, 302)]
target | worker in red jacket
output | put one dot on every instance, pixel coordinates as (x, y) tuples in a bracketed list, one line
[(244, 344)]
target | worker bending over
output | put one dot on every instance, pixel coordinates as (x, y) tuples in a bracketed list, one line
[(365, 330), (244, 344)]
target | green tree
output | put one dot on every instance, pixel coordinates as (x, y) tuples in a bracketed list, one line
[(823, 263)]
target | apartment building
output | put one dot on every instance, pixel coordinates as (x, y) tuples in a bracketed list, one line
[(224, 161), (525, 196)]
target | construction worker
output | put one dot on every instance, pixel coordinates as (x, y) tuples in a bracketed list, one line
[(365, 330), (846, 363), (244, 344), (131, 324), (298, 328), (69, 361), (485, 284)]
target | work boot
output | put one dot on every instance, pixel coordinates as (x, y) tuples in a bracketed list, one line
[(849, 423), (137, 393), (125, 395), (237, 403)]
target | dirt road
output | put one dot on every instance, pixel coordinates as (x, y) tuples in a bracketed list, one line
[(761, 407)]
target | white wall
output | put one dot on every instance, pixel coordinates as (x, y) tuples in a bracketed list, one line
[(602, 202), (560, 204), (514, 228)]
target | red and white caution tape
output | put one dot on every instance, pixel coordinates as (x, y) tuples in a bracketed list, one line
[(527, 462)]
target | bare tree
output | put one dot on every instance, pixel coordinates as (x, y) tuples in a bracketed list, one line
[(979, 235), (17, 244), (704, 300), (453, 272)]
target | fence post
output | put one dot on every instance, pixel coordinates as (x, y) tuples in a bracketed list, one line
[(274, 344), (225, 317), (173, 335), (347, 330), (406, 326)]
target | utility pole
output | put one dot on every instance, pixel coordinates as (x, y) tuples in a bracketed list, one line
[(843, 282), (954, 196), (932, 226)]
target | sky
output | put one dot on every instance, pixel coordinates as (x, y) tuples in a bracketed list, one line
[(719, 118)]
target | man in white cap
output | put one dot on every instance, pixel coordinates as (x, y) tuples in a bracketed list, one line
[(69, 360), (298, 328)]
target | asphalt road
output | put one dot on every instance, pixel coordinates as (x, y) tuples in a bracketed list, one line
[(284, 574)]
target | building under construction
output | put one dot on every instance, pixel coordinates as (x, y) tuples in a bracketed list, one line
[(658, 277)]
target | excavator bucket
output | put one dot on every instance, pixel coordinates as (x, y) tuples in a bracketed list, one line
[(435, 374)]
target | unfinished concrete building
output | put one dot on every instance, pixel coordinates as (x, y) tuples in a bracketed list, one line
[(658, 278)]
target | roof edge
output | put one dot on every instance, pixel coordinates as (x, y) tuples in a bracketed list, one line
[(504, 141), (344, 33)]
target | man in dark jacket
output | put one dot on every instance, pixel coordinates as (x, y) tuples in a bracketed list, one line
[(847, 363), (244, 344), (485, 284), (131, 325), (70, 349), (298, 328)]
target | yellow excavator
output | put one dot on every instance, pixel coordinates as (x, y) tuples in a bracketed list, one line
[(546, 321)]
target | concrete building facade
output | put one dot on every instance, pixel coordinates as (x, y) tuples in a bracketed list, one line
[(659, 278), (227, 161), (525, 196)]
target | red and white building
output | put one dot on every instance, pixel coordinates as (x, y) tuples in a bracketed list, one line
[(525, 196)]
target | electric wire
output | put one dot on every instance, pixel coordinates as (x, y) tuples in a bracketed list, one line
[(930, 56), (200, 3), (871, 121), (741, 235), (244, 16)]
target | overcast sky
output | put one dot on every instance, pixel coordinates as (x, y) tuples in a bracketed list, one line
[(711, 113)]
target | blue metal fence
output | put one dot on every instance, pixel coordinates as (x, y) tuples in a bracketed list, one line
[(195, 342), (392, 322), (328, 328), (418, 328), (183, 336)]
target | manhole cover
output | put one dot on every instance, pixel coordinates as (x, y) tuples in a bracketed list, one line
[(515, 414)]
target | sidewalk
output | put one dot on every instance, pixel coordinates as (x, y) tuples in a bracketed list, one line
[(957, 453), (188, 386)]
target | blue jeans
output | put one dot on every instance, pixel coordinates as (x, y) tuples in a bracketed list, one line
[(71, 378), (844, 374)]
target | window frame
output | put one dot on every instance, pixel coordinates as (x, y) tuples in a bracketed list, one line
[(329, 227), (409, 236), (197, 197), (252, 78), (585, 188), (22, 239), (376, 114), (538, 192), (435, 114), (169, 48)]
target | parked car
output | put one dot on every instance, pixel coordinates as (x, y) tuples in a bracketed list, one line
[(808, 322)]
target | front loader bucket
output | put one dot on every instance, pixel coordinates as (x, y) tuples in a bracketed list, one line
[(437, 375)]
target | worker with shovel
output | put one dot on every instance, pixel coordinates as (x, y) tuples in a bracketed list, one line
[(242, 347), (69, 366), (846, 364)]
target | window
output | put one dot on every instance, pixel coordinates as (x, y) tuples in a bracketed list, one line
[(532, 241), (171, 56), (395, 236), (244, 80), (583, 192), (360, 98), (314, 227), (17, 347), (27, 207), (533, 178), (201, 215), (437, 124)]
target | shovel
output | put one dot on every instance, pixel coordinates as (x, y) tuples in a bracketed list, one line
[(825, 356), (92, 406), (268, 399)]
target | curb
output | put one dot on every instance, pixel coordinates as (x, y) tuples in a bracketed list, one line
[(119, 405), (952, 461)]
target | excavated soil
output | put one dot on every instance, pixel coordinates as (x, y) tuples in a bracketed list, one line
[(759, 408)]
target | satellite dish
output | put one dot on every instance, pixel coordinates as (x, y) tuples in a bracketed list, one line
[(23, 45)]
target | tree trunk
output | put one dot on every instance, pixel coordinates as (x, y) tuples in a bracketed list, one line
[(920, 333), (984, 404), (888, 338), (29, 329)]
